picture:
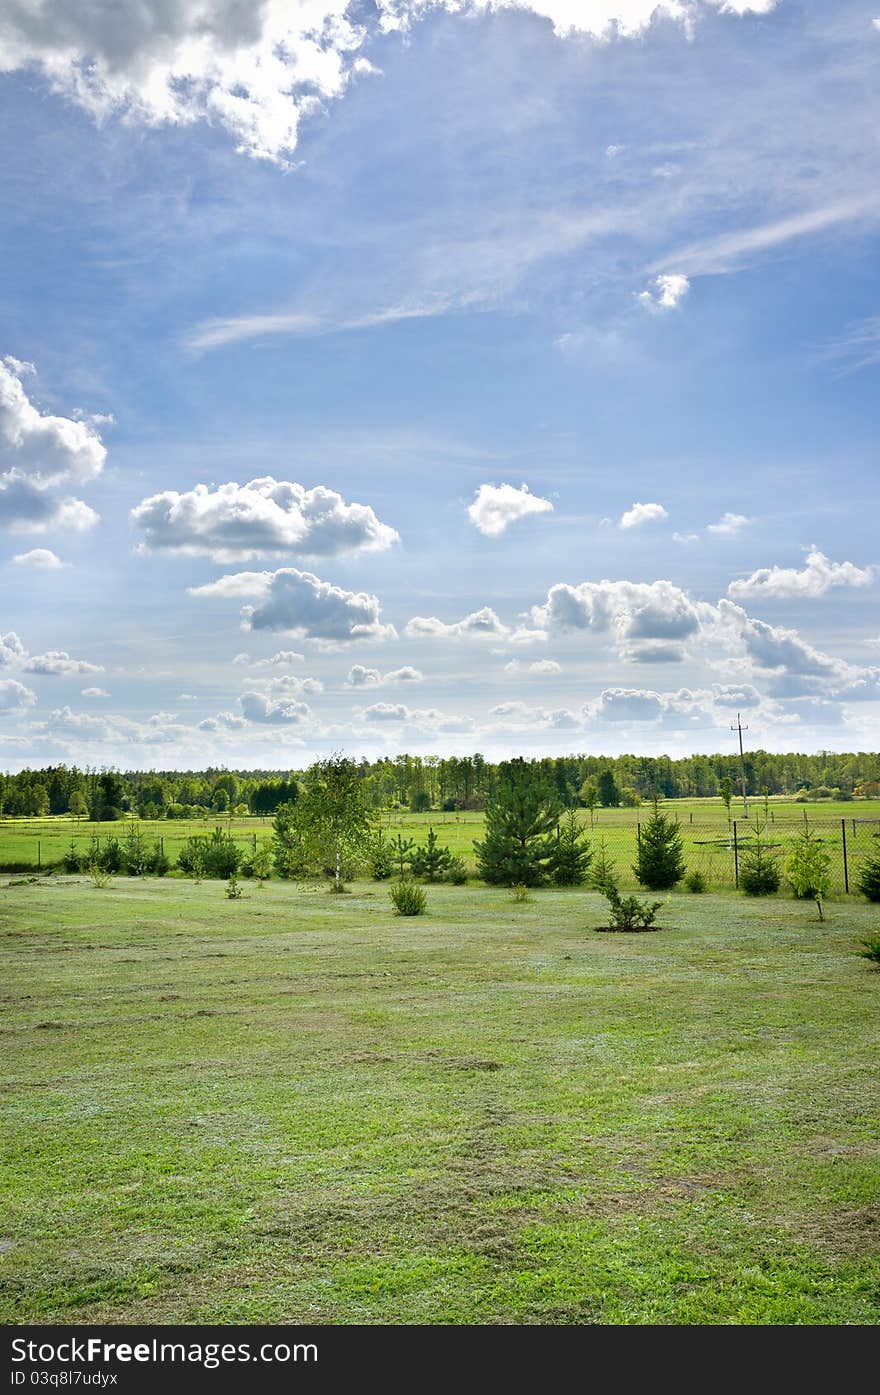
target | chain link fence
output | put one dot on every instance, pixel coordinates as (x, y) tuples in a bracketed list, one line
[(712, 848)]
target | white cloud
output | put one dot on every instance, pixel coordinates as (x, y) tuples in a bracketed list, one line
[(495, 507), (685, 538), (12, 651), (238, 522), (427, 719), (540, 667), (480, 624), (729, 524), (40, 447), (25, 508), (290, 685), (300, 604), (15, 696), (41, 558), (94, 692), (257, 707), (650, 621), (283, 659), (640, 514), (57, 663), (817, 577), (669, 291), (361, 677), (255, 69), (39, 451)]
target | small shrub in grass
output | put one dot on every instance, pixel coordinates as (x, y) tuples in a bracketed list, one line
[(456, 872), (233, 890), (628, 912), (339, 888), (603, 869), (809, 869), (869, 877), (101, 876), (408, 899), (871, 949), (72, 861), (520, 892), (695, 882), (660, 862), (758, 869)]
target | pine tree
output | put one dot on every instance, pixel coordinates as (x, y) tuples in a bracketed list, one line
[(758, 868), (431, 861), (573, 853), (660, 861), (521, 815)]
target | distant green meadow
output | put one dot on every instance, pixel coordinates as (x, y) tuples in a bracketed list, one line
[(297, 1107), (709, 839)]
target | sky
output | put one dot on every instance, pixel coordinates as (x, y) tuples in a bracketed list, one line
[(437, 376)]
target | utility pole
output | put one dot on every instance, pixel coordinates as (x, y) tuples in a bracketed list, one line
[(739, 728)]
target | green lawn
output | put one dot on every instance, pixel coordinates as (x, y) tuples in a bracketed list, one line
[(297, 1107)]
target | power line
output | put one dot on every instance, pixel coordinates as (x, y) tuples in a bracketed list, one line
[(739, 729)]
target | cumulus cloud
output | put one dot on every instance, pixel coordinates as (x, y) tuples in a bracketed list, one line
[(667, 292), (94, 692), (640, 514), (540, 667), (57, 663), (258, 707), (25, 508), (255, 70), (290, 685), (728, 525), (40, 558), (39, 451), (479, 624), (427, 719), (814, 579), (650, 621), (239, 522), (495, 507), (361, 677), (15, 696), (12, 651), (302, 605), (515, 715)]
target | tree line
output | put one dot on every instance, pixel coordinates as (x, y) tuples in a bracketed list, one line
[(423, 783)]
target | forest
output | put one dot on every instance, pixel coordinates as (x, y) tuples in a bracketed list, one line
[(423, 783)]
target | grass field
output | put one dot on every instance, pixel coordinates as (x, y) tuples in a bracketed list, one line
[(296, 1107), (707, 836)]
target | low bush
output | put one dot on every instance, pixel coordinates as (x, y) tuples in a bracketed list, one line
[(759, 869), (519, 892), (217, 856), (871, 949), (456, 871), (628, 912), (233, 890), (869, 877), (695, 882), (408, 899)]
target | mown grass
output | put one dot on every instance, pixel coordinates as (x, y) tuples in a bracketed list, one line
[(299, 1107)]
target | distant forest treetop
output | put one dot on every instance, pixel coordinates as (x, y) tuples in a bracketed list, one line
[(421, 783)]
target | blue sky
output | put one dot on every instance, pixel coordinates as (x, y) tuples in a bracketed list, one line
[(437, 377)]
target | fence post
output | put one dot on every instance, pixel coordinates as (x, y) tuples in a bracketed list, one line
[(639, 833), (39, 854), (735, 858), (845, 867), (255, 842), (162, 844)]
